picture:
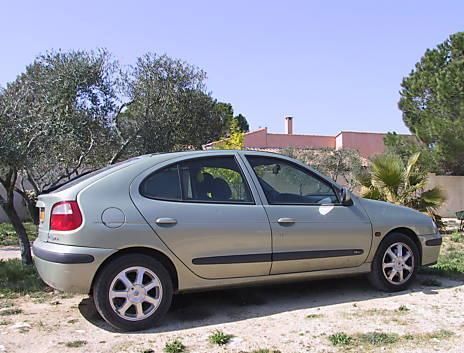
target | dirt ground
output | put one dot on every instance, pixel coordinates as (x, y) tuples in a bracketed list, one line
[(290, 318)]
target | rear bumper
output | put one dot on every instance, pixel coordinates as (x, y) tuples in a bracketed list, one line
[(68, 268), (430, 248)]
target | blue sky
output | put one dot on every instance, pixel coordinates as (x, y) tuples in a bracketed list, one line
[(333, 65)]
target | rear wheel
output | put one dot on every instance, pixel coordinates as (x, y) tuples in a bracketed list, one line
[(395, 263), (133, 292)]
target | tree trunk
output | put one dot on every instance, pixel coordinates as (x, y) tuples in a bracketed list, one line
[(33, 211), (18, 226), (7, 203)]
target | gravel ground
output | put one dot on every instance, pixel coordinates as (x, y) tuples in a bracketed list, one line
[(291, 318), (9, 252)]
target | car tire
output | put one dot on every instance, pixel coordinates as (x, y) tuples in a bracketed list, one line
[(391, 271), (133, 292)]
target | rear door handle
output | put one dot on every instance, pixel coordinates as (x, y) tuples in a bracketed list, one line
[(285, 221), (166, 221)]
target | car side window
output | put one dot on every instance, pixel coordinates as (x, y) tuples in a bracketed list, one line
[(215, 180), (286, 183), (163, 184)]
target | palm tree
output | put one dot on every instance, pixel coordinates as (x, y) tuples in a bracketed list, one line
[(388, 179)]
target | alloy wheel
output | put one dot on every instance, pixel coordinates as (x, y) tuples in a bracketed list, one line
[(398, 263), (135, 293)]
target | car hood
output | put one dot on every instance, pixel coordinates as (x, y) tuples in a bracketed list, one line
[(386, 216)]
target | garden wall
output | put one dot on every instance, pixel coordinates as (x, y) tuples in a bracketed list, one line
[(453, 187)]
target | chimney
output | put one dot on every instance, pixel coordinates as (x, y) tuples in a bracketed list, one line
[(289, 125)]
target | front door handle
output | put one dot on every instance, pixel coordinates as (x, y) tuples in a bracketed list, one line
[(166, 221), (286, 221)]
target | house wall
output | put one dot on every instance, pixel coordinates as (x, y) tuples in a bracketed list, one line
[(20, 207), (367, 144), (262, 139), (302, 141)]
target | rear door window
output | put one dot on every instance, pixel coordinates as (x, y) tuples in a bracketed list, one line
[(215, 180), (208, 180), (163, 185)]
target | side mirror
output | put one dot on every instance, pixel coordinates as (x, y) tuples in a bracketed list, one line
[(345, 197)]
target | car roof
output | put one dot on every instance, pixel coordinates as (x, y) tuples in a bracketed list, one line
[(138, 164), (172, 155)]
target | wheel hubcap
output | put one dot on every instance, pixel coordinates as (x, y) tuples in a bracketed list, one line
[(398, 263), (135, 293)]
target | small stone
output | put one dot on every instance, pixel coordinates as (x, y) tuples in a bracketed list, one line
[(80, 331), (20, 326), (235, 342)]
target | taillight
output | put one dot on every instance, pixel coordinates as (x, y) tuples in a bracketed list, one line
[(65, 215)]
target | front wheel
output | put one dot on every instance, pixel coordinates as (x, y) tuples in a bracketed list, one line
[(133, 292), (395, 263)]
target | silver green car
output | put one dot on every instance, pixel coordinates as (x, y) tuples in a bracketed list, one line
[(135, 233)]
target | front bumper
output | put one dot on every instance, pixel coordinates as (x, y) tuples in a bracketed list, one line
[(68, 268), (430, 248)]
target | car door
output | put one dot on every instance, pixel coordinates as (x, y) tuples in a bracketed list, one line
[(311, 230), (204, 210)]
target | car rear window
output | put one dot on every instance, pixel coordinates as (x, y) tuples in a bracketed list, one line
[(163, 185)]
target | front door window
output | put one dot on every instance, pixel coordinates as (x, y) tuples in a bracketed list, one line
[(287, 183)]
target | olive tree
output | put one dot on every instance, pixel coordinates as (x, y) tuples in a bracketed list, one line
[(76, 96), (75, 111), (168, 108), (55, 123)]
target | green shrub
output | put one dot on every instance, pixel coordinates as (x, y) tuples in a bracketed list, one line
[(8, 235), (440, 334), (450, 264), (220, 338), (403, 308), (175, 346), (75, 344), (457, 237), (314, 316), (378, 338), (340, 339)]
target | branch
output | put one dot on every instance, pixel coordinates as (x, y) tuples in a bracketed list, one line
[(68, 173), (124, 105), (33, 138), (31, 179), (118, 154)]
